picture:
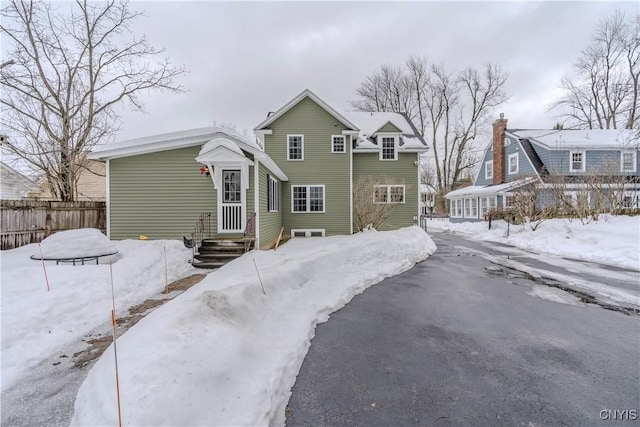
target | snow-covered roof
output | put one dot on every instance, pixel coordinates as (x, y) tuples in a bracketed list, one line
[(580, 138), (487, 190), (183, 139), (369, 123), (167, 141)]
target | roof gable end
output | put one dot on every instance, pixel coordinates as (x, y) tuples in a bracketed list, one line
[(295, 101)]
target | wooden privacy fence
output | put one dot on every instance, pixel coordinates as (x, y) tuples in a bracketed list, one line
[(29, 221)]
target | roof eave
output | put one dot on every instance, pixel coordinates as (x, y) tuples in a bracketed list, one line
[(289, 105)]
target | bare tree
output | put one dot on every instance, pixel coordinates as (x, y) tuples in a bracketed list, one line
[(371, 206), (451, 106), (529, 206), (68, 70), (603, 92)]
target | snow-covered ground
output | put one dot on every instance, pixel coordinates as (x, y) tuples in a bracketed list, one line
[(37, 323), (227, 353), (612, 240)]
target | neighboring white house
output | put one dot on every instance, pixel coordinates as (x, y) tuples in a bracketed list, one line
[(14, 185)]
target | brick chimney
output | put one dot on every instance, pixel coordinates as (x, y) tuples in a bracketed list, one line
[(499, 127)]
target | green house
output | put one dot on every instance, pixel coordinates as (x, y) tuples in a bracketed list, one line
[(297, 173)]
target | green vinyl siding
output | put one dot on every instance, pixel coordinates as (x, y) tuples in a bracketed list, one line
[(319, 167), (270, 222), (161, 195), (390, 128), (402, 171)]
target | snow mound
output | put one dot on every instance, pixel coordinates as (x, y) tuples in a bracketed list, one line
[(227, 353), (82, 243)]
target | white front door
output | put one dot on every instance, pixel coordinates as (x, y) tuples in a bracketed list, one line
[(231, 202)]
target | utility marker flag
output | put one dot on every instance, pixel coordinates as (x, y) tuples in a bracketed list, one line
[(115, 336), (46, 278)]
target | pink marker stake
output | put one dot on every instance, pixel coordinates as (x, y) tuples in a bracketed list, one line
[(44, 268), (166, 278), (115, 348)]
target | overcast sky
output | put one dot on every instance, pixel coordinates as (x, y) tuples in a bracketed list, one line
[(246, 59)]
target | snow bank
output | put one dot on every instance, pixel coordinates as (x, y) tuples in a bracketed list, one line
[(612, 240), (224, 353), (37, 324)]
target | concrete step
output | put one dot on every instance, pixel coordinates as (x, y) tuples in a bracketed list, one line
[(209, 265), (217, 256)]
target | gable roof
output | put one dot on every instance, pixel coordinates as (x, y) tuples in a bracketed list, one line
[(580, 138), (13, 184), (183, 139), (305, 94), (369, 123)]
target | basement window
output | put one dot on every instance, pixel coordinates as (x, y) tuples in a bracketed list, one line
[(308, 232)]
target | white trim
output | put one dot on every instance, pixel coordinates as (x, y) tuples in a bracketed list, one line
[(216, 176), (344, 144), (517, 163), (419, 204), (308, 186), (108, 190), (307, 232), (271, 194), (351, 183), (256, 201), (635, 160), (396, 140), (583, 162), (301, 148), (487, 168), (302, 95), (388, 194), (506, 196)]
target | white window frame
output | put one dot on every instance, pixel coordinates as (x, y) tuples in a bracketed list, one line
[(289, 136), (487, 204), (381, 141), (308, 199), (488, 169), (508, 197), (273, 200), (514, 159), (583, 161), (333, 144), (387, 199), (634, 160), (467, 208), (474, 207), (307, 232)]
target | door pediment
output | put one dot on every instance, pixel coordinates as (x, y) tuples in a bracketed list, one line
[(222, 150)]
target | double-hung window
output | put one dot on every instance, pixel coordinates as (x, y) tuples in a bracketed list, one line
[(307, 198), (338, 144), (576, 161), (295, 147), (273, 195), (628, 161), (488, 169), (388, 149), (388, 194), (509, 200), (513, 163)]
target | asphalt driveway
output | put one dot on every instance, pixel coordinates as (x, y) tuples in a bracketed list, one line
[(455, 341)]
